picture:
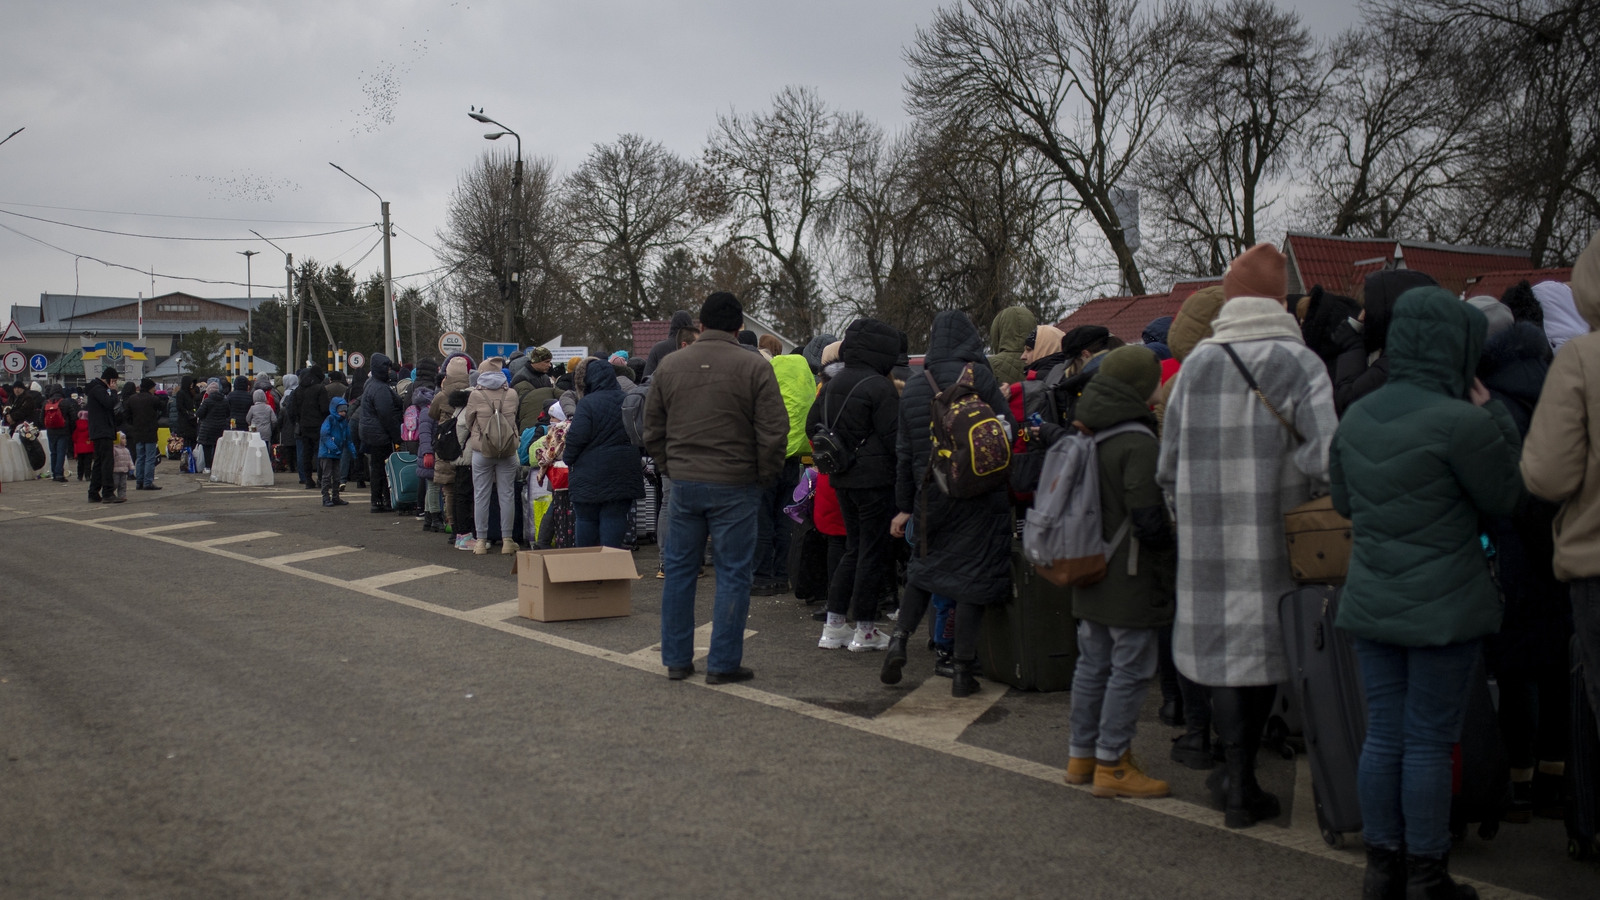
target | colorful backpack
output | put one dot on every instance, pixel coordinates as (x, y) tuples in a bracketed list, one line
[(408, 425), (971, 449)]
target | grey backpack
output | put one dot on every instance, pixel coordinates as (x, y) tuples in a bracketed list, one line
[(1063, 535), (500, 436), (633, 401)]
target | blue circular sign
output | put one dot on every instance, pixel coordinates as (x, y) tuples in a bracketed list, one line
[(38, 363)]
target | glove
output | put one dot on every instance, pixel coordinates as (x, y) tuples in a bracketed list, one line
[(427, 460)]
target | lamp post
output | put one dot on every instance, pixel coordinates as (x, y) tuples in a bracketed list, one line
[(249, 298), (289, 331), (391, 325), (515, 294)]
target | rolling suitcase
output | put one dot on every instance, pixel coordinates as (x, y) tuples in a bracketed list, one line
[(1031, 641), (1583, 768), (1482, 788), (1325, 687), (401, 468)]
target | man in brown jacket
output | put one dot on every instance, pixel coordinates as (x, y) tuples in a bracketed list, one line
[(716, 425), (1561, 462)]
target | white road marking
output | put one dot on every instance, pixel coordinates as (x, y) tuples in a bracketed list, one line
[(931, 712), (388, 578), (121, 518), (1288, 838), (302, 556), (495, 612), (238, 538), (174, 527), (702, 645)]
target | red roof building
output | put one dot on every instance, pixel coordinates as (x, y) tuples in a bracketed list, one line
[(1126, 317), (1494, 284), (1342, 264)]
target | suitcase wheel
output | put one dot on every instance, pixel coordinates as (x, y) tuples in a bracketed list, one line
[(1333, 839)]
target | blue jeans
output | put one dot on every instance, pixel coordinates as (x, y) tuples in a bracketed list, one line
[(1416, 702), (601, 524), (943, 633), (775, 526), (727, 514), (1115, 667), (144, 463), (60, 449)]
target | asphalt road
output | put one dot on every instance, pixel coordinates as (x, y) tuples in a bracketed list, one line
[(194, 704)]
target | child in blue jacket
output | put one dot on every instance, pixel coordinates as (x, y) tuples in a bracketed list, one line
[(335, 442)]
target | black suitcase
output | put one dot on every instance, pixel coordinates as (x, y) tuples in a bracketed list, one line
[(1031, 641), (1583, 768), (1482, 768), (1325, 681)]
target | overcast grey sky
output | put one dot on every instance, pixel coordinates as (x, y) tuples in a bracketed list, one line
[(232, 110)]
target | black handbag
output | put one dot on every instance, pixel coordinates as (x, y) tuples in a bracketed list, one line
[(1026, 467)]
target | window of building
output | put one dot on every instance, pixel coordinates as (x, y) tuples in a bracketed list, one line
[(177, 307)]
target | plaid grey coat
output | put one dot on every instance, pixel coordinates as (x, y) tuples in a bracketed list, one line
[(1230, 471)]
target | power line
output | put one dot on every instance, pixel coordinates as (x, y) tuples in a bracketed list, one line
[(165, 237), (115, 212), (418, 240), (113, 265)]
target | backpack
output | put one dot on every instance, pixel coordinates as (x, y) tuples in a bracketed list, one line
[(446, 442), (1039, 395), (1062, 535), (830, 452), (500, 436), (53, 417), (408, 425), (971, 450), (633, 412)]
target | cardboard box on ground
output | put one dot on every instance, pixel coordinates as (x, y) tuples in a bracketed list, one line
[(578, 583)]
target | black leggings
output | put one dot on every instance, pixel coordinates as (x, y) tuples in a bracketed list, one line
[(1241, 713), (969, 618)]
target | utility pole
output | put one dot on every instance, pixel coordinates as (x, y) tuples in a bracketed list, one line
[(289, 331), (391, 322), (415, 301), (249, 296)]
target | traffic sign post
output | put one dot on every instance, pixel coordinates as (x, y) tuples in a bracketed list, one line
[(12, 335), (38, 363), (504, 351), (452, 342), (15, 361), (356, 360)]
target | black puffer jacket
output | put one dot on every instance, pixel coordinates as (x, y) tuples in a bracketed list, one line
[(188, 424), (144, 418), (1533, 635), (968, 542), (239, 403), (1355, 377), (380, 406), (311, 405), (861, 405), (213, 415)]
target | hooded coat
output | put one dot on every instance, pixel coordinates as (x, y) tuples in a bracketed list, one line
[(813, 351), (861, 405), (334, 436), (1362, 367), (1007, 335), (422, 398), (380, 406), (1414, 467), (1561, 458), (1230, 470), (260, 415), (1326, 315), (188, 424), (239, 400), (603, 464), (214, 416), (962, 548), (311, 405), (799, 389), (454, 379), (680, 320)]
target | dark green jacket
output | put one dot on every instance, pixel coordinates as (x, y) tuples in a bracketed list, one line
[(1415, 466), (1007, 334), (1144, 599)]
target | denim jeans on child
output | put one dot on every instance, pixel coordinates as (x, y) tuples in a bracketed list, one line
[(1115, 667), (1416, 702), (726, 513)]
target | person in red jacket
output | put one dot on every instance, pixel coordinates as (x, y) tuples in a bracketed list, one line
[(82, 447)]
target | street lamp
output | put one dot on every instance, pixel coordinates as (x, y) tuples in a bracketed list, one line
[(391, 324), (249, 295), (515, 295), (289, 331)]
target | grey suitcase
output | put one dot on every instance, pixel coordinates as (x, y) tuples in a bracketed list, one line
[(1325, 684)]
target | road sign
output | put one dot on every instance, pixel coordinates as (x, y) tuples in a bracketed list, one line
[(38, 363), (12, 335), (15, 361), (503, 351), (356, 360), (452, 342)]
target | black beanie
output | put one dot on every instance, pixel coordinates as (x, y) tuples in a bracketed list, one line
[(722, 312), (749, 337)]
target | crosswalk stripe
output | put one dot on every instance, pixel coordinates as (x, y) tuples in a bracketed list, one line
[(306, 555), (173, 527), (388, 578), (122, 518), (930, 711), (237, 538)]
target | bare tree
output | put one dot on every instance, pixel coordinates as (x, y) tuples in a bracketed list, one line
[(628, 207), (1080, 82), (1536, 166), (1253, 80), (480, 245), (777, 170)]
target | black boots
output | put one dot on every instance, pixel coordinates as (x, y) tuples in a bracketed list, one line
[(1194, 750), (1386, 874), (895, 659), (944, 664), (1171, 714), (963, 682), (1428, 878), (1234, 788)]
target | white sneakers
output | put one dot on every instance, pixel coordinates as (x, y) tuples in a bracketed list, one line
[(876, 639), (835, 636)]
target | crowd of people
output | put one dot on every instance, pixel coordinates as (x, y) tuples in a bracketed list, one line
[(1459, 437)]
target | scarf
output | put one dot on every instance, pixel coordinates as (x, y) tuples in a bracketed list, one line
[(1253, 319)]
